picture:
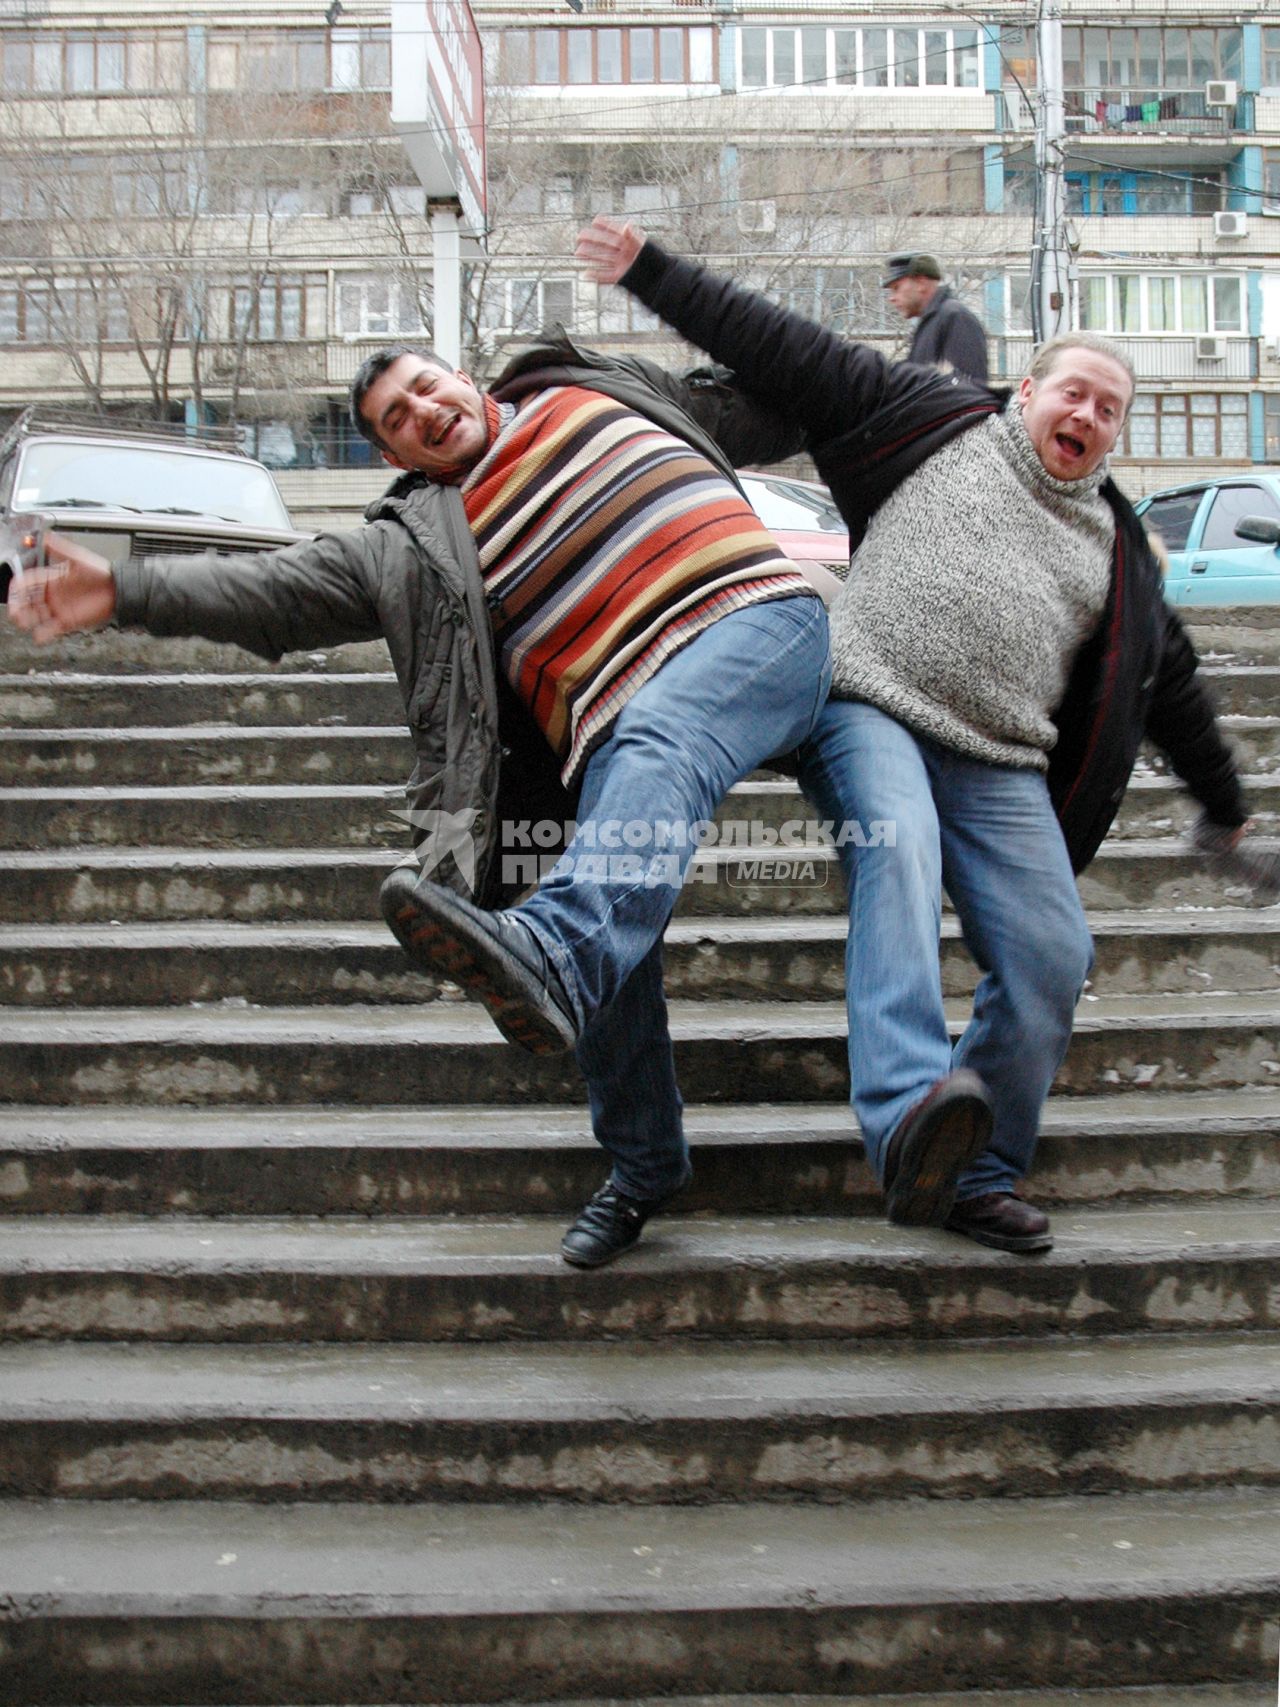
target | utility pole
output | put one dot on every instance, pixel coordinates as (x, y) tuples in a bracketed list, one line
[(1051, 262)]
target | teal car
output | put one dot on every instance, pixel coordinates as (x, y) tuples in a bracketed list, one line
[(1223, 538)]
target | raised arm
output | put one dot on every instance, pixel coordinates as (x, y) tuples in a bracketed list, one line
[(806, 373)]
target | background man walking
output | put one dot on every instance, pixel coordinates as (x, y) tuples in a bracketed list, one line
[(946, 332)]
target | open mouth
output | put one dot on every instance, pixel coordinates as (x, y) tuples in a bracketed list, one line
[(1072, 447), (444, 432)]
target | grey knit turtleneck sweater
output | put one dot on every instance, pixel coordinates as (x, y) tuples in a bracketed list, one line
[(967, 601)]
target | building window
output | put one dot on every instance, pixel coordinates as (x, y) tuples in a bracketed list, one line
[(84, 63), (1132, 62), (1271, 427), (1271, 56), (282, 198), (360, 59), (371, 305), (1185, 425), (1183, 303), (403, 201), (1271, 182), (849, 300), (651, 204), (829, 57), (589, 56), (1172, 191), (42, 311), (526, 304), (274, 63), (284, 306), (620, 313)]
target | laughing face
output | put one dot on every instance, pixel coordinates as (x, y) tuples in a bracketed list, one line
[(1073, 415), (428, 419)]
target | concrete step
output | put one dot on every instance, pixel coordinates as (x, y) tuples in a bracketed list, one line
[(254, 1279), (798, 1158), (168, 884), (127, 652), (137, 1603), (1244, 690), (1256, 741), (137, 694), (1228, 636), (201, 755), (252, 815), (352, 815), (363, 1055), (59, 699), (88, 884), (682, 1424), (1163, 1695), (764, 959)]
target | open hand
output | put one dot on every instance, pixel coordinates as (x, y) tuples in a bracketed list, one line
[(609, 248), (74, 591)]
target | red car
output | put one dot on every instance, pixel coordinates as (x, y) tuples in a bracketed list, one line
[(802, 518)]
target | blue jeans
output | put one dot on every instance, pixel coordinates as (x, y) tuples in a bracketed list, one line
[(987, 833), (747, 688)]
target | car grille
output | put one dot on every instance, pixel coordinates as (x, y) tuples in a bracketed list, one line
[(165, 545)]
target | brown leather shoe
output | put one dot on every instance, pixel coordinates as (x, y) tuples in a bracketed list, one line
[(932, 1145), (1002, 1219)]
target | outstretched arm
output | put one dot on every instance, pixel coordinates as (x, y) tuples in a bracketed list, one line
[(801, 369), (315, 593)]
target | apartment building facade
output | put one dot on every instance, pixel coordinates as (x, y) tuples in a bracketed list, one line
[(209, 217)]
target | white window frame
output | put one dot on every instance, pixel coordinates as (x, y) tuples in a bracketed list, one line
[(403, 314), (923, 28), (506, 306), (1115, 329)]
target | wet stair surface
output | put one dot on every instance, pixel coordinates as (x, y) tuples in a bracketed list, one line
[(298, 1403)]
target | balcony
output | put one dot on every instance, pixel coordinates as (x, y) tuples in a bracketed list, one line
[(1203, 359), (1158, 112)]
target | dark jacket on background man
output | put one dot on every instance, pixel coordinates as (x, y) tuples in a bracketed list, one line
[(412, 576), (948, 332), (868, 424)]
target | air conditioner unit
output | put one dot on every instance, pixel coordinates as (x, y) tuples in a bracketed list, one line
[(757, 218), (1211, 349), (1230, 225), (1220, 93)]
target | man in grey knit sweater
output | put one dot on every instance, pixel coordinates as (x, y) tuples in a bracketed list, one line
[(977, 582), (1000, 650)]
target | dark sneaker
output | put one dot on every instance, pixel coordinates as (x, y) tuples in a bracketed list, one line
[(1002, 1219), (932, 1145), (609, 1224), (491, 955)]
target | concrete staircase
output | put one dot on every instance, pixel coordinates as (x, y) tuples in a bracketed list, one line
[(299, 1404)]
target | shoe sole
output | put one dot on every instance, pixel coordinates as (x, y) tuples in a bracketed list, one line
[(1026, 1245), (477, 965), (952, 1135)]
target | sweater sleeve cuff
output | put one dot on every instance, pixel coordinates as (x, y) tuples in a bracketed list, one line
[(644, 275)]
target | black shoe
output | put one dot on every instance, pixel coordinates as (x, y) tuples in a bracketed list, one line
[(609, 1224), (1003, 1220), (491, 955), (932, 1145)]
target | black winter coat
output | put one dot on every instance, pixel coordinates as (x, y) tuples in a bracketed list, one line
[(948, 332), (868, 424)]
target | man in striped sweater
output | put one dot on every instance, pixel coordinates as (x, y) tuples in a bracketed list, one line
[(664, 647)]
